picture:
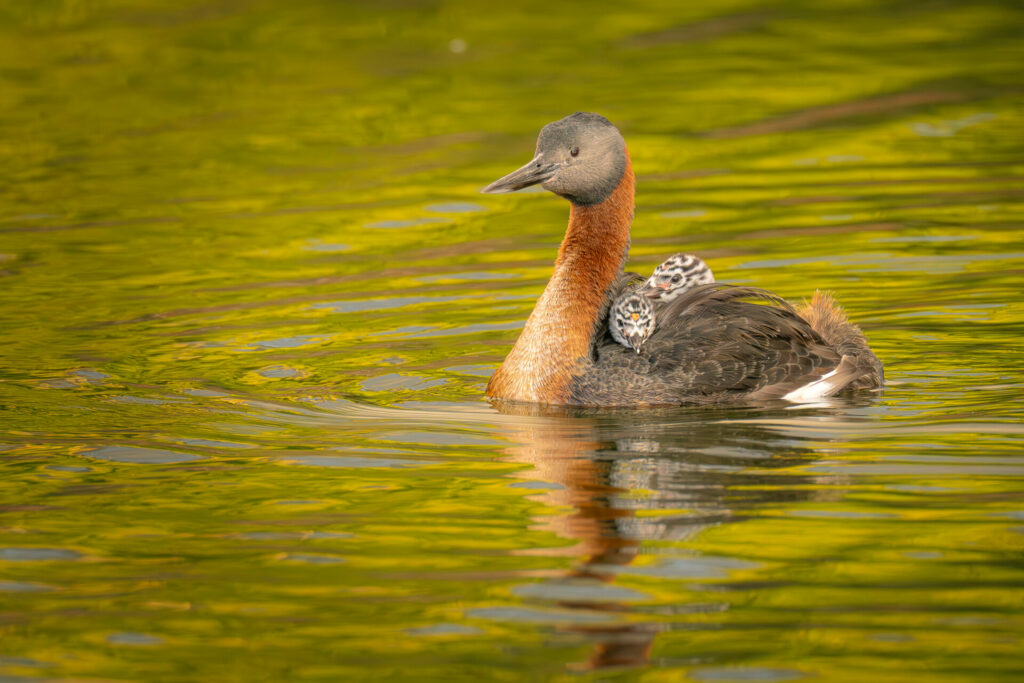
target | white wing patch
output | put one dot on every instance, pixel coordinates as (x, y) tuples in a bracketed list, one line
[(819, 388)]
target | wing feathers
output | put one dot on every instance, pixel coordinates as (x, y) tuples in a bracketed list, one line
[(713, 343)]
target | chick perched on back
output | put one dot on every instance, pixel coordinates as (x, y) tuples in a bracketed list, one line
[(632, 318), (677, 274)]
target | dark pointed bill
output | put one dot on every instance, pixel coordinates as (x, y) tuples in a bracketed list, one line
[(536, 171)]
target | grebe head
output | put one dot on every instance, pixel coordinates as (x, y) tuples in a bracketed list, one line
[(581, 157), (632, 321), (677, 274)]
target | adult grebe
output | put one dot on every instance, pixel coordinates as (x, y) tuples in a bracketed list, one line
[(713, 344)]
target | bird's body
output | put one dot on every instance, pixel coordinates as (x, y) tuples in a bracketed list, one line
[(710, 344)]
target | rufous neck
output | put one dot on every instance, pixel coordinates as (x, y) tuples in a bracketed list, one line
[(601, 231), (557, 337)]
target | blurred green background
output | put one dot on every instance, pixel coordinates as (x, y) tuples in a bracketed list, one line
[(249, 296)]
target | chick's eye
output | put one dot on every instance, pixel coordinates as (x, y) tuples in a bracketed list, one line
[(574, 152), (677, 278)]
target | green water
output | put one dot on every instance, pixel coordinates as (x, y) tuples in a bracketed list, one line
[(249, 298)]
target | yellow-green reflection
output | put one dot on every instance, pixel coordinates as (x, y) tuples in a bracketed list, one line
[(249, 296)]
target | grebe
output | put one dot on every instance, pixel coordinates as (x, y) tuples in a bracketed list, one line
[(631, 320), (713, 344), (632, 317), (678, 273)]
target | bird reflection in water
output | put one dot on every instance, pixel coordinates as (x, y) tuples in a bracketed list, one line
[(696, 460)]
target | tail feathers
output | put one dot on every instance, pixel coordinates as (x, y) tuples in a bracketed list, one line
[(829, 320), (828, 384)]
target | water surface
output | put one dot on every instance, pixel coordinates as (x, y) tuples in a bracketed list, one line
[(250, 296)]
